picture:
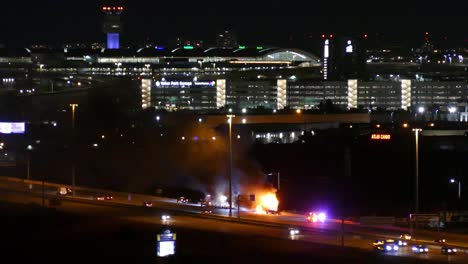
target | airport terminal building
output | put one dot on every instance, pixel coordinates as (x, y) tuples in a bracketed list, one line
[(205, 79)]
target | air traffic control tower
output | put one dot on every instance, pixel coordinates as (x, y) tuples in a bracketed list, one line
[(112, 26)]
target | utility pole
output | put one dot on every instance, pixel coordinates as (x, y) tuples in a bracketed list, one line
[(230, 163), (416, 200), (29, 148), (73, 106), (278, 180)]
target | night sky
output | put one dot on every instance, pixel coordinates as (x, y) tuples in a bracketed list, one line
[(275, 22)]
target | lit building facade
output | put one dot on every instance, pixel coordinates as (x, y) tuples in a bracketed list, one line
[(305, 94)]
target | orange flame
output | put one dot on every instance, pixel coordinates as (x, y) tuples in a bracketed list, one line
[(267, 201)]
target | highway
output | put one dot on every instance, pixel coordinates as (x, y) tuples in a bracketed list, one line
[(190, 216)]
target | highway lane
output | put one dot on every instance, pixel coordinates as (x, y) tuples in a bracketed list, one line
[(153, 215)]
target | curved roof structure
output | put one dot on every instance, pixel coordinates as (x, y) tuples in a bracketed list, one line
[(250, 53), (290, 55)]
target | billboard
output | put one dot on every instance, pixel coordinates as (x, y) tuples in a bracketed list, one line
[(12, 128)]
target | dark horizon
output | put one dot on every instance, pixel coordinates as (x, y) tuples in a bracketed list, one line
[(277, 23)]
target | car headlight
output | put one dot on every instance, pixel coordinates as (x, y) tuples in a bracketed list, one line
[(449, 250), (454, 250), (415, 248), (426, 249), (388, 248), (395, 247)]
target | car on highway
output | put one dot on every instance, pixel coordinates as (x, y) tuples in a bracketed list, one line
[(420, 249), (207, 211), (401, 243), (315, 217), (147, 204), (446, 250), (64, 191), (439, 240), (385, 245), (182, 199), (405, 236), (165, 217), (103, 197), (272, 212), (292, 231), (205, 203)]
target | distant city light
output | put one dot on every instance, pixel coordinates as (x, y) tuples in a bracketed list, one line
[(421, 109), (452, 109)]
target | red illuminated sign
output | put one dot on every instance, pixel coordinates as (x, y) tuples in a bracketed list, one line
[(381, 136)]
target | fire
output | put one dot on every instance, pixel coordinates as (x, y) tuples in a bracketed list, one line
[(268, 201)]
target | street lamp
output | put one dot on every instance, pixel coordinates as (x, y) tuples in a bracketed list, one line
[(230, 162), (416, 134), (73, 106), (28, 168), (277, 177), (452, 180)]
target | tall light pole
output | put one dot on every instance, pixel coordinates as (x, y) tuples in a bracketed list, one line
[(230, 163), (416, 206), (278, 174), (28, 168), (459, 186), (277, 178), (73, 106)]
